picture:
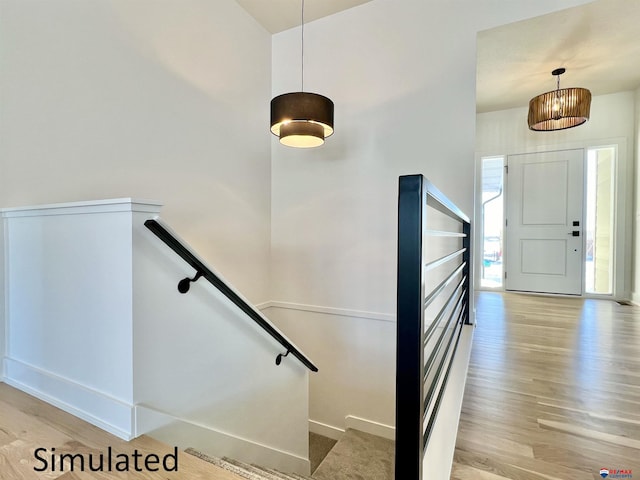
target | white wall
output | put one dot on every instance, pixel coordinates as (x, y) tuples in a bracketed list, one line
[(402, 76), (611, 122), (636, 244), (151, 99), (205, 373), (69, 308), (356, 359)]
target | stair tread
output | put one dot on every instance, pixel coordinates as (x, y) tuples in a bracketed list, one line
[(245, 470), (254, 469), (281, 475), (268, 473), (219, 462), (358, 455)]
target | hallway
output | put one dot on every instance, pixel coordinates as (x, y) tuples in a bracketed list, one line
[(553, 390)]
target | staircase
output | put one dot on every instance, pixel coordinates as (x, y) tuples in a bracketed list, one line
[(357, 455)]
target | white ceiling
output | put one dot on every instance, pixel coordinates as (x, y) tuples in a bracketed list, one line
[(279, 15), (598, 43)]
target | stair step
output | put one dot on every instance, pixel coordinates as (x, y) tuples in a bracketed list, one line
[(358, 455), (244, 470), (267, 475), (230, 467), (281, 475)]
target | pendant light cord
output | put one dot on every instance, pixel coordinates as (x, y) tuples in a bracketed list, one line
[(302, 48)]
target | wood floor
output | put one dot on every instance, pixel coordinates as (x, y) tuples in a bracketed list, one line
[(27, 423), (553, 393), (553, 390)]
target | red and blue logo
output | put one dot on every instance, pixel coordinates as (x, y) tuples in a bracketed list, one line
[(615, 473)]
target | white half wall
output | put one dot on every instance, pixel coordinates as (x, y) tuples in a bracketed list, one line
[(96, 326), (205, 374), (144, 98), (69, 307)]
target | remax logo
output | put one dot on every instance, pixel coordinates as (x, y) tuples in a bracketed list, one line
[(616, 473)]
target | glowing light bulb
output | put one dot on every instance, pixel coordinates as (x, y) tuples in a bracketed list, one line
[(556, 106)]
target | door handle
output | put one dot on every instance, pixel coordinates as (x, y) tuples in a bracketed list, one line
[(575, 233)]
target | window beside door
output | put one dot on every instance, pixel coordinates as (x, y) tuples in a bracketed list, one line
[(492, 221), (599, 231)]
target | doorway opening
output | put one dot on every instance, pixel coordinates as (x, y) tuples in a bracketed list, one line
[(599, 221)]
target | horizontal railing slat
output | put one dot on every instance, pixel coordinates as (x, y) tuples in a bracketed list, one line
[(443, 310), (434, 374), (442, 285), (428, 365), (436, 199), (438, 401), (442, 260), (444, 233)]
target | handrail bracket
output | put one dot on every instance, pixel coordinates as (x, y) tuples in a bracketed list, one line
[(281, 356), (185, 283)]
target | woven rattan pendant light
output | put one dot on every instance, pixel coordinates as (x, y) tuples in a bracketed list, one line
[(560, 108), (302, 119)]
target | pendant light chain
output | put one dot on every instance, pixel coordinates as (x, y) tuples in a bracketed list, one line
[(302, 49)]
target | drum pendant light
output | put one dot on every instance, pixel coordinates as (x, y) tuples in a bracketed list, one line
[(302, 119), (560, 108)]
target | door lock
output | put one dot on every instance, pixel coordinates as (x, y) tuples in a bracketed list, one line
[(575, 233)]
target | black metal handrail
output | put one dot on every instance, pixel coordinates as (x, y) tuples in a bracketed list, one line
[(202, 271), (420, 384)]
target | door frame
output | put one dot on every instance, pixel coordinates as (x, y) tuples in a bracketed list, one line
[(623, 211)]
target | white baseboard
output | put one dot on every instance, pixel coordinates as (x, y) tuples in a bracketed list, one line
[(369, 426), (107, 413), (325, 430), (357, 423), (635, 299), (184, 434)]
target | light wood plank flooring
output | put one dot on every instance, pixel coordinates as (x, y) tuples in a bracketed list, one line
[(553, 390), (26, 423)]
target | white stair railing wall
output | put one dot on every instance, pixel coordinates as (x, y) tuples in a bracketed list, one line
[(96, 326)]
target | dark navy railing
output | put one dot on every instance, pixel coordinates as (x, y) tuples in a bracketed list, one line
[(425, 347), (202, 271)]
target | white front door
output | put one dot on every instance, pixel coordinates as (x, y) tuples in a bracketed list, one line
[(544, 217)]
